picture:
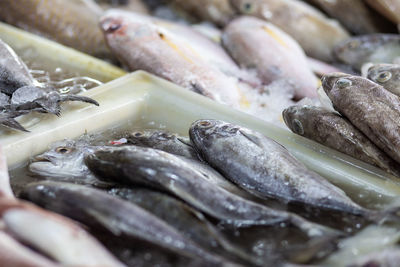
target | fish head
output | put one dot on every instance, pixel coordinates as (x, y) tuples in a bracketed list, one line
[(336, 81), (294, 119), (246, 7), (65, 159), (387, 75), (204, 132)]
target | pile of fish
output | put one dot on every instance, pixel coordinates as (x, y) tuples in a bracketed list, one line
[(153, 197), (355, 126), (225, 195)]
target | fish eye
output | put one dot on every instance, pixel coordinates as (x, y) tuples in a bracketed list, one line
[(342, 83), (137, 134), (384, 76), (63, 150), (247, 7), (298, 127), (205, 124)]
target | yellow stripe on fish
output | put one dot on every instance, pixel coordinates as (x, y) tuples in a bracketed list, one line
[(275, 36), (177, 49)]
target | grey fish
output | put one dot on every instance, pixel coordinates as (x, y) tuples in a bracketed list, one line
[(331, 129), (179, 215), (163, 140), (387, 75), (158, 169), (363, 102), (366, 21), (375, 48), (265, 168), (124, 220)]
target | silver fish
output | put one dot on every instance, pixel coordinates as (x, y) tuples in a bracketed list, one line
[(246, 37), (375, 48), (134, 41), (387, 75), (265, 168), (331, 129), (124, 220), (363, 102), (138, 165), (316, 34)]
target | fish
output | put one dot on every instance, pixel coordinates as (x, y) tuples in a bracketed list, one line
[(265, 168), (15, 254), (332, 130), (219, 12), (134, 40), (179, 215), (64, 161), (366, 21), (69, 23), (389, 8), (282, 58), (316, 34), (375, 48), (163, 171), (122, 219), (386, 75), (163, 140), (54, 235), (363, 102)]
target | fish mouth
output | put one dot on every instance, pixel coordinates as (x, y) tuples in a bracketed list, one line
[(110, 25), (328, 80)]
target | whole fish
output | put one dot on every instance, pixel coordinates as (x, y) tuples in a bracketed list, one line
[(13, 253), (375, 48), (179, 215), (363, 102), (219, 12), (366, 21), (135, 41), (316, 34), (158, 169), (54, 235), (257, 44), (387, 75), (264, 168), (332, 130), (124, 220), (389, 8), (70, 23), (163, 140)]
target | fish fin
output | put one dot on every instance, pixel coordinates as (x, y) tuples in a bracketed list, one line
[(13, 124), (85, 99), (185, 142), (252, 138)]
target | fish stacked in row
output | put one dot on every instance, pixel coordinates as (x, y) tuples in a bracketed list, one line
[(155, 185), (21, 94), (50, 239), (367, 126)]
